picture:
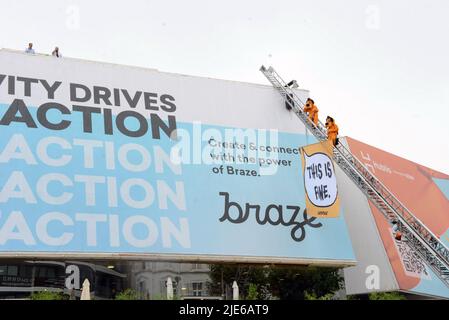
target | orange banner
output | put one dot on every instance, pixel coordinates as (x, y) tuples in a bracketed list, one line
[(414, 185)]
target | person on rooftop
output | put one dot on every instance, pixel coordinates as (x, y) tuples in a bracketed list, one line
[(30, 48), (56, 53)]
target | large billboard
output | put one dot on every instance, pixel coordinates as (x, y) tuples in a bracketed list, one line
[(425, 193), (105, 160)]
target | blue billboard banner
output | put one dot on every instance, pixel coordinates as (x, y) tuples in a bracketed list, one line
[(109, 169), (87, 192)]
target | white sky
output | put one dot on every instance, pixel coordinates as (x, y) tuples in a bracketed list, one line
[(381, 68)]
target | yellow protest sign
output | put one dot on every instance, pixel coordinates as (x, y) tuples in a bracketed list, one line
[(320, 182)]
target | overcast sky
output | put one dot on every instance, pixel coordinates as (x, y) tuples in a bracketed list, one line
[(381, 68)]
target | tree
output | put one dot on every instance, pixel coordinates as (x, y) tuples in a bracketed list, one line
[(252, 292), (128, 294), (244, 275), (309, 296), (386, 296), (274, 281), (48, 295), (292, 283)]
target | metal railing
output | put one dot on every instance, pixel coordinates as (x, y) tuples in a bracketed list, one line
[(426, 244)]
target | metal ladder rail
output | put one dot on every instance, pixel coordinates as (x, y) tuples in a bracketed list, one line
[(357, 165), (422, 249), (280, 85), (387, 196), (383, 199), (294, 101)]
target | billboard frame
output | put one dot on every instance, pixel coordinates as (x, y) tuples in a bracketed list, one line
[(179, 258)]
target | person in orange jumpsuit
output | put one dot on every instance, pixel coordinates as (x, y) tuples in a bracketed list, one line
[(332, 130), (312, 110), (396, 232)]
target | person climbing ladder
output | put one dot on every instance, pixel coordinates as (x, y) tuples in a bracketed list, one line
[(311, 109), (332, 130)]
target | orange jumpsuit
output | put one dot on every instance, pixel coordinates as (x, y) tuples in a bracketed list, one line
[(313, 113), (332, 132)]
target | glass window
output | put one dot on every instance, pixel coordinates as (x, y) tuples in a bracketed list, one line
[(51, 273), (142, 286), (42, 272), (197, 289), (200, 266), (3, 270), (13, 270), (28, 271)]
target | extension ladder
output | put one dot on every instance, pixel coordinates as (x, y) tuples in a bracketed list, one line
[(419, 238)]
